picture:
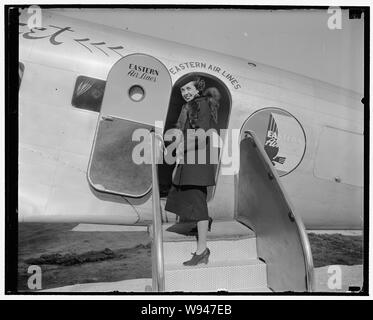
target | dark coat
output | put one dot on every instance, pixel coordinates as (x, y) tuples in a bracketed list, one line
[(200, 114)]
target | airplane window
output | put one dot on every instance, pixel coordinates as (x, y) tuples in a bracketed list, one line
[(88, 93), (21, 69), (136, 93)]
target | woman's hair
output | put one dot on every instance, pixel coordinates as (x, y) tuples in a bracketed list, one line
[(198, 82), (213, 93), (214, 97)]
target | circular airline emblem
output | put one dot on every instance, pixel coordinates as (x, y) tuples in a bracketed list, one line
[(282, 136)]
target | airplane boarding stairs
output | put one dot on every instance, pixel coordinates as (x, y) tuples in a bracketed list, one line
[(277, 257), (233, 263)]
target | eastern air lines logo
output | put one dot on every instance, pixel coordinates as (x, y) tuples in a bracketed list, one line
[(143, 72), (282, 136), (271, 142)]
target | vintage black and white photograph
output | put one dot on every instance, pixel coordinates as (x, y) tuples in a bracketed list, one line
[(191, 150)]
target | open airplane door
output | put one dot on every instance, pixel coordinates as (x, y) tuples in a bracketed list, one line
[(137, 96)]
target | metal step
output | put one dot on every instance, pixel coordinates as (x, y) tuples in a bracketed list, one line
[(244, 275), (233, 265), (220, 230), (221, 251)]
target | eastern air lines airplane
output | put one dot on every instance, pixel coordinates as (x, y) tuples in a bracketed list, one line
[(290, 151), (311, 131)]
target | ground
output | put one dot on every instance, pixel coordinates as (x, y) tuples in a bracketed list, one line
[(329, 249), (68, 258)]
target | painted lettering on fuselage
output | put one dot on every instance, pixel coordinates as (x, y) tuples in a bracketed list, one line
[(57, 36), (203, 65)]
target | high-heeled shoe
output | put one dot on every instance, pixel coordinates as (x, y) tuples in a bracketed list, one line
[(198, 258), (195, 229)]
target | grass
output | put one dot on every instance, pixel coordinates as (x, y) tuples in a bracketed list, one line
[(328, 249), (67, 257)]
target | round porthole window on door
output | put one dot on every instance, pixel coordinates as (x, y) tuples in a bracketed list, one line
[(136, 93), (281, 135)]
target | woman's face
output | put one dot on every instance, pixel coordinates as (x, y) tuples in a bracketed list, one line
[(189, 91)]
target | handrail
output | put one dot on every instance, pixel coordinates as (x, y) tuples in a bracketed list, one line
[(274, 177), (158, 280)]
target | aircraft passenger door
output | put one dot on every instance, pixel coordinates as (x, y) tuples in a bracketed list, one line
[(136, 96)]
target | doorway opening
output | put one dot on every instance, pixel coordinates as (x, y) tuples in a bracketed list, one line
[(176, 102)]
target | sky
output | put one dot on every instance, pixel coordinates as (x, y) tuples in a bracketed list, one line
[(294, 40)]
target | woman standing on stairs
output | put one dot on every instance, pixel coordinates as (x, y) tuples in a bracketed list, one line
[(188, 195)]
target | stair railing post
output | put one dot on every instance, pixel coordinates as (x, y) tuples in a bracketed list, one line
[(157, 245)]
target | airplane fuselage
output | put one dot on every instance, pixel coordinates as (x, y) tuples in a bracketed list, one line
[(312, 131)]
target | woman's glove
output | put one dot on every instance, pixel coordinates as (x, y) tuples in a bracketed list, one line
[(179, 152), (179, 158)]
